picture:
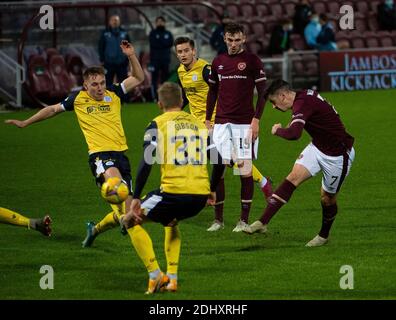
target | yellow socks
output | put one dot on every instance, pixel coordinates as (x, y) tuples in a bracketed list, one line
[(109, 222), (257, 176), (10, 217), (172, 248), (144, 247), (106, 223)]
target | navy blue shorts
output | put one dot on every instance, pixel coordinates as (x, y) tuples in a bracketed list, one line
[(99, 162), (165, 207)]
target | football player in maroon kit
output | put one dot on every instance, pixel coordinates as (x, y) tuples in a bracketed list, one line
[(330, 151), (232, 80)]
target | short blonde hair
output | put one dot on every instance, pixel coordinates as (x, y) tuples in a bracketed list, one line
[(170, 95)]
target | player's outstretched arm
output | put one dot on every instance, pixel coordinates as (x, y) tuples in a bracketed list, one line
[(137, 76), (43, 114)]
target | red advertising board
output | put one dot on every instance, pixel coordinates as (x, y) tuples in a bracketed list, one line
[(357, 70)]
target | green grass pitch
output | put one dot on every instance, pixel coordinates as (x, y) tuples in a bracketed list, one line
[(44, 169)]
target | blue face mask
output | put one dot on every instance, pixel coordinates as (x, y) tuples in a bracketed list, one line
[(316, 19), (389, 3)]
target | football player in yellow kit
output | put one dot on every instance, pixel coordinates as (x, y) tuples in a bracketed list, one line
[(177, 141), (193, 74), (98, 110)]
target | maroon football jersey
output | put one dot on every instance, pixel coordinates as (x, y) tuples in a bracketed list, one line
[(322, 122), (236, 76)]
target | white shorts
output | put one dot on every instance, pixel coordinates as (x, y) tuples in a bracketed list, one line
[(231, 142), (333, 176)]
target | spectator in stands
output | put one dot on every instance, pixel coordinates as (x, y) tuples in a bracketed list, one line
[(302, 13), (217, 38), (326, 38), (312, 31), (280, 38), (161, 42), (110, 54), (387, 15)]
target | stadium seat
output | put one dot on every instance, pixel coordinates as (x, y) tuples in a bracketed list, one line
[(254, 47), (319, 7), (270, 22), (247, 28), (262, 10), (298, 68), (374, 6), (362, 7), (62, 83), (264, 41), (333, 8), (50, 52), (233, 10), (40, 82), (289, 8), (247, 10), (357, 43), (386, 42), (75, 67), (373, 22), (372, 42), (360, 24), (297, 42), (258, 29), (310, 63), (277, 10)]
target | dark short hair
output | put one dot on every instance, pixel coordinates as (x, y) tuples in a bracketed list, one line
[(181, 40), (277, 85), (160, 18), (93, 71), (233, 28), (323, 17)]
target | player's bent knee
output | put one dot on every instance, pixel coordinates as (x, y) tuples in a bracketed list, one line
[(328, 199)]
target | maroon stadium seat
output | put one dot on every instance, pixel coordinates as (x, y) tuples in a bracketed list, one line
[(277, 10), (374, 6), (60, 77), (75, 68), (373, 22), (319, 7), (372, 42), (362, 7), (333, 8), (50, 52), (232, 10), (247, 10), (297, 42), (360, 24), (254, 47), (298, 68), (270, 22), (262, 10), (310, 63), (258, 28), (357, 42), (40, 82), (289, 8), (264, 41), (246, 28), (386, 42)]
